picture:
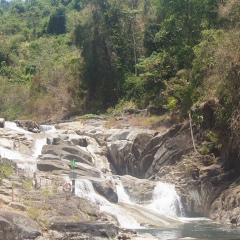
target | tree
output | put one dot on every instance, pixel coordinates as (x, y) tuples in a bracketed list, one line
[(107, 52), (57, 21), (181, 23), (146, 89), (18, 8)]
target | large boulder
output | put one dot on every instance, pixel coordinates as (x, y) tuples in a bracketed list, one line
[(211, 191), (139, 190), (107, 189), (17, 226)]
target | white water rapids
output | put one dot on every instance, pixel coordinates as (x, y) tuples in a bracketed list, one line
[(166, 200), (130, 214)]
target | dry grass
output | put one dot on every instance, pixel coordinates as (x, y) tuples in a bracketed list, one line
[(112, 123), (152, 122), (230, 11)]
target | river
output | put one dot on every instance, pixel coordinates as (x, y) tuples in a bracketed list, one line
[(197, 228)]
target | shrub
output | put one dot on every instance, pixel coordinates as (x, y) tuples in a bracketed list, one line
[(5, 169)]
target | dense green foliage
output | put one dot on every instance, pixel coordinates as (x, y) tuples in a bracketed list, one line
[(60, 57)]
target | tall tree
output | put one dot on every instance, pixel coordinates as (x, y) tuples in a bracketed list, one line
[(181, 23), (106, 48), (57, 21)]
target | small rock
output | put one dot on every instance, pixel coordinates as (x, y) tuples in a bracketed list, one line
[(123, 236), (17, 205)]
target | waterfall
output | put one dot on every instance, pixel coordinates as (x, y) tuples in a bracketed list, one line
[(84, 189), (23, 161), (13, 125), (10, 154), (47, 128), (165, 200), (160, 212), (38, 146), (29, 162), (122, 195)]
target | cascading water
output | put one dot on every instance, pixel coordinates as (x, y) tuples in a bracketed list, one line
[(10, 154), (38, 146), (29, 162), (13, 125), (84, 189), (166, 201), (24, 161), (122, 195), (129, 214), (47, 128)]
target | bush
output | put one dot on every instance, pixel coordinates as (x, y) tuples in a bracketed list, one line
[(6, 169)]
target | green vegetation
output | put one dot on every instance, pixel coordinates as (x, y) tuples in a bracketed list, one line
[(27, 184), (6, 169), (66, 57), (47, 191), (34, 213)]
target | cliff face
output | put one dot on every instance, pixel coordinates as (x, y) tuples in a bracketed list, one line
[(104, 155)]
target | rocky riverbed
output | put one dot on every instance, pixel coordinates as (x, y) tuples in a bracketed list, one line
[(109, 160)]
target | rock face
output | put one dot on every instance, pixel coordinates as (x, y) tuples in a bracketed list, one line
[(226, 205), (165, 149), (107, 189), (214, 194), (17, 226), (143, 153)]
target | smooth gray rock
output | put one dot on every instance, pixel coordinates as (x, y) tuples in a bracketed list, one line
[(106, 189), (100, 229), (17, 226), (51, 165), (64, 151)]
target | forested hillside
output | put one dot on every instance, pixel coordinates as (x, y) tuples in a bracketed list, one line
[(93, 56)]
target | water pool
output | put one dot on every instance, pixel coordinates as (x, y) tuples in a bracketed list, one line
[(196, 229)]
